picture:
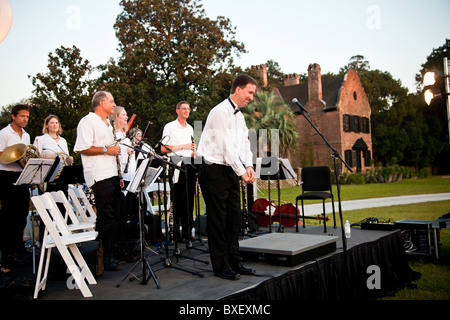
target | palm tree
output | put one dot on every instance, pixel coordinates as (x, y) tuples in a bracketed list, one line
[(268, 112)]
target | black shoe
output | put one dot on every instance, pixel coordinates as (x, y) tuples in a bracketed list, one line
[(228, 274), (243, 269), (109, 265)]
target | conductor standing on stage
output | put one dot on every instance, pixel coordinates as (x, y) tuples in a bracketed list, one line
[(225, 148), (180, 147)]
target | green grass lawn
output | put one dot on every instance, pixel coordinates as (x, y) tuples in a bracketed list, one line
[(435, 281), (375, 190)]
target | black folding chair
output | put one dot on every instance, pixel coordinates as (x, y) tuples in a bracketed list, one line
[(316, 185)]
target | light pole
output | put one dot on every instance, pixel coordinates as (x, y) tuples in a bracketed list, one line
[(447, 92), (431, 93)]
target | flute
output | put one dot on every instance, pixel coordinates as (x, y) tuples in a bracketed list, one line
[(133, 144)]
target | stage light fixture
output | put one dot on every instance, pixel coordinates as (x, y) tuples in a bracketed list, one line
[(432, 93), (429, 78)]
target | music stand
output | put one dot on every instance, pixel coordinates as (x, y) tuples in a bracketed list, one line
[(167, 261), (35, 172), (267, 169), (285, 171), (144, 176), (71, 175), (38, 171), (277, 169)]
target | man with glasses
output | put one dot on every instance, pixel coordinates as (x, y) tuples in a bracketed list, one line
[(178, 136), (94, 142)]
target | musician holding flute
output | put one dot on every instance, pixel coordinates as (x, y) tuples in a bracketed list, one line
[(96, 143)]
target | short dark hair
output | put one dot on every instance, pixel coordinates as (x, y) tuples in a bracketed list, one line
[(98, 97), (179, 104), (242, 81), (15, 110)]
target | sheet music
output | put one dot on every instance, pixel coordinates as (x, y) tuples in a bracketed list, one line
[(266, 166), (287, 169), (35, 171), (150, 177)]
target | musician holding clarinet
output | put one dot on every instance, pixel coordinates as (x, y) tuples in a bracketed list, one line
[(181, 149), (96, 143)]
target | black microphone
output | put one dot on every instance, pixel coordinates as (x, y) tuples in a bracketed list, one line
[(160, 142), (302, 108)]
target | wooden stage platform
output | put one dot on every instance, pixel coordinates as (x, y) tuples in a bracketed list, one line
[(328, 273)]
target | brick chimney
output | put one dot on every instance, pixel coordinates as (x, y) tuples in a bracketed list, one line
[(261, 71), (291, 79), (314, 82)]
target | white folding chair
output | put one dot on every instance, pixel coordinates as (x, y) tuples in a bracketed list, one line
[(157, 187), (58, 235), (77, 222), (82, 204)]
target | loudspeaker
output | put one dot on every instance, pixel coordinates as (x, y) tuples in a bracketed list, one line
[(417, 236)]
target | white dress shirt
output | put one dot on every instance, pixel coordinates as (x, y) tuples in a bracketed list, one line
[(9, 137), (48, 146), (92, 131), (178, 135), (225, 139)]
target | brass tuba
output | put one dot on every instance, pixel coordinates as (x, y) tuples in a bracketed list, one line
[(19, 153)]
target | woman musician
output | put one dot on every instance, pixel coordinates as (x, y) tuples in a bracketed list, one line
[(127, 165), (51, 145)]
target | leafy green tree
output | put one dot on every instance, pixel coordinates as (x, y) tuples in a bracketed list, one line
[(357, 63), (170, 51), (65, 90), (400, 132), (268, 112)]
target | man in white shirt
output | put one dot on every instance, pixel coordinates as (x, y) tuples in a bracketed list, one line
[(225, 148), (98, 154), (180, 148), (15, 200)]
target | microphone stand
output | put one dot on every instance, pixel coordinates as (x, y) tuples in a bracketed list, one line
[(335, 155), (167, 262), (147, 271), (189, 242)]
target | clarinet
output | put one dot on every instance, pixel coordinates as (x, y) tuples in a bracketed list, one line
[(129, 159), (193, 152), (119, 169)]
